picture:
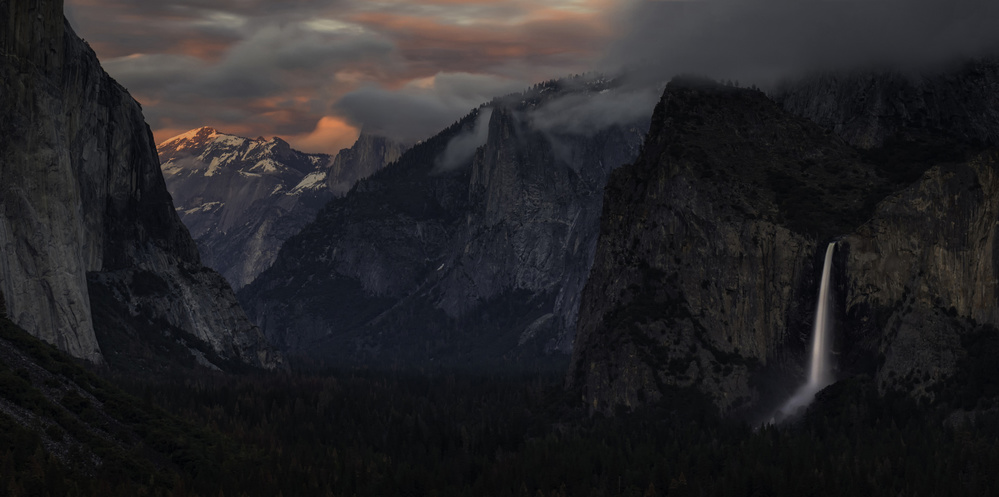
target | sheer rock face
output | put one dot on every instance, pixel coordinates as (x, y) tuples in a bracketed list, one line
[(471, 248), (705, 276), (923, 273), (83, 199), (368, 154), (707, 249)]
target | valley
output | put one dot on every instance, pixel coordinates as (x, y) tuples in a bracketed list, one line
[(601, 284)]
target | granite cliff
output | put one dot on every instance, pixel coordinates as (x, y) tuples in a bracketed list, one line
[(708, 259), (96, 260), (366, 156), (471, 249)]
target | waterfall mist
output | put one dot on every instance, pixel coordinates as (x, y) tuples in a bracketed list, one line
[(820, 371)]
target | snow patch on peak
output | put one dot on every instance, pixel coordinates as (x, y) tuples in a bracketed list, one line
[(267, 166), (204, 132), (228, 140), (312, 181)]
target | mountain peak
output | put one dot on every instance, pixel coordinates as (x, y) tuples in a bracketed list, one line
[(199, 134)]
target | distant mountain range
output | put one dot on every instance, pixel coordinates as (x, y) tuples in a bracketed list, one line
[(242, 198)]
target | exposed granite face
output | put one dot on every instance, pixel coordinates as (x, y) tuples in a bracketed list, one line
[(705, 275), (366, 156), (706, 263), (471, 248), (83, 197), (924, 271)]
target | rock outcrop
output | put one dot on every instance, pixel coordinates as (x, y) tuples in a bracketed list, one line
[(472, 248), (708, 248), (85, 208), (922, 274), (708, 259), (366, 156)]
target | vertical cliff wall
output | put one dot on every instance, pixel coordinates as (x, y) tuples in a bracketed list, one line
[(705, 271), (708, 249), (83, 201)]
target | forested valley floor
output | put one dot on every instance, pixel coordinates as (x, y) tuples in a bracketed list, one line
[(348, 433)]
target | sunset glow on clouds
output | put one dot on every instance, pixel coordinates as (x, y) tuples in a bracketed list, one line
[(315, 71)]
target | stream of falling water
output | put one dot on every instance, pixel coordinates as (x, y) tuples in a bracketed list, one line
[(820, 373)]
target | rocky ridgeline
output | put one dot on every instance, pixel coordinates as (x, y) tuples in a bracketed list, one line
[(96, 260), (471, 249), (242, 198), (366, 156), (708, 260)]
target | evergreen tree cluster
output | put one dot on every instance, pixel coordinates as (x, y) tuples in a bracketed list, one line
[(448, 434)]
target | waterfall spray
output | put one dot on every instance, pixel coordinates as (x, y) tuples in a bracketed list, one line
[(820, 374)]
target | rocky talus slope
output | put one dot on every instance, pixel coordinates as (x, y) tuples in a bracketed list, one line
[(95, 258)]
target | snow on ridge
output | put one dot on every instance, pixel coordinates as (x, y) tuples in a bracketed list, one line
[(309, 182), (268, 166), (207, 206), (230, 140), (190, 135)]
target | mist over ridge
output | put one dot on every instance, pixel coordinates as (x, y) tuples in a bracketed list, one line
[(763, 41)]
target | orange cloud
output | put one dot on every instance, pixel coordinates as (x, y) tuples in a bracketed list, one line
[(330, 135), (486, 44)]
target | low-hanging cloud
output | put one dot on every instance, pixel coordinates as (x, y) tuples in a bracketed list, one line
[(761, 41), (462, 147), (589, 113), (418, 111)]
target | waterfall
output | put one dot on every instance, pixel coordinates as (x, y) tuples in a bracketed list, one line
[(820, 374)]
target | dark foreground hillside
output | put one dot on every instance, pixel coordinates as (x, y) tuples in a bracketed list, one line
[(65, 431)]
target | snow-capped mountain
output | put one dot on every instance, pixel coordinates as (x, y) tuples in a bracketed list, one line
[(242, 198)]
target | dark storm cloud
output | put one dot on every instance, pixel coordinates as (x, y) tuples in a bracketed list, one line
[(763, 40), (417, 112)]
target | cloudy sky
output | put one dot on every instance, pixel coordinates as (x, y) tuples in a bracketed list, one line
[(315, 71)]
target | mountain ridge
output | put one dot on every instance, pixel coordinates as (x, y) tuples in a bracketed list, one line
[(475, 236), (242, 198)]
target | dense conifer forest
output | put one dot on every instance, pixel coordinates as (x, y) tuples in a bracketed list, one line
[(451, 434)]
